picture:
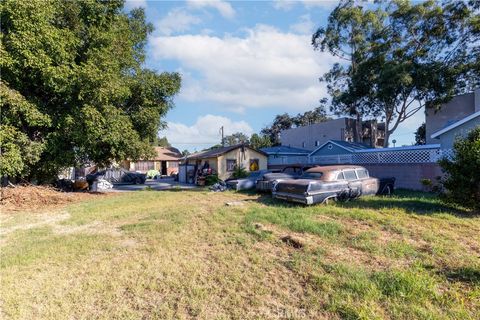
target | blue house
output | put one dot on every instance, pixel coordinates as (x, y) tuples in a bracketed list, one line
[(281, 155), (338, 147)]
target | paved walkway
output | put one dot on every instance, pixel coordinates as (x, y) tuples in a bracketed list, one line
[(162, 184)]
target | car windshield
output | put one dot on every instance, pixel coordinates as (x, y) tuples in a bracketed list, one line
[(312, 175)]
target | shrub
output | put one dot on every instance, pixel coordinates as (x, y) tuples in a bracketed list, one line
[(462, 181), (239, 173), (211, 179), (152, 174)]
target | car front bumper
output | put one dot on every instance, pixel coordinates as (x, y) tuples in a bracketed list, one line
[(265, 186)]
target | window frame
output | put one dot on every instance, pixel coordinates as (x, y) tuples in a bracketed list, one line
[(348, 171), (229, 161), (365, 171), (251, 161)]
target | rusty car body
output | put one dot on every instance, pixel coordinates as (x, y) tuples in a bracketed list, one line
[(342, 182)]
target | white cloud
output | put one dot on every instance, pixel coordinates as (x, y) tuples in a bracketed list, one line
[(177, 20), (133, 4), (326, 4), (304, 26), (204, 132), (266, 68), (284, 5), (223, 7), (287, 5)]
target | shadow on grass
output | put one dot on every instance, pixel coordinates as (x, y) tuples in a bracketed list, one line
[(411, 201), (416, 202), (463, 274), (267, 199)]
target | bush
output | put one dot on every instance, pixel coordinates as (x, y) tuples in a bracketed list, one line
[(463, 175), (239, 173), (152, 174), (211, 179)]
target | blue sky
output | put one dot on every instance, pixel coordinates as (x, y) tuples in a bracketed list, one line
[(242, 62)]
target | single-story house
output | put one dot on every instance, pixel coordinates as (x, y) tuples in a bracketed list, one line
[(448, 134), (165, 161), (336, 147), (224, 160)]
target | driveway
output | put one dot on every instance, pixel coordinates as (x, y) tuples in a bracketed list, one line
[(162, 184)]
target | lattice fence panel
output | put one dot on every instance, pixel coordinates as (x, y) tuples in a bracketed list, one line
[(371, 157)]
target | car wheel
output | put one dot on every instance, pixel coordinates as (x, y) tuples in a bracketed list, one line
[(138, 180), (387, 191)]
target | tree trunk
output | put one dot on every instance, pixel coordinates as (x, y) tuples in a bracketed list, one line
[(387, 137), (357, 136)]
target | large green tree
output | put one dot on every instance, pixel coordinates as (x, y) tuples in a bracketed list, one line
[(421, 58), (74, 88), (415, 55), (285, 121), (260, 141), (235, 138), (348, 36)]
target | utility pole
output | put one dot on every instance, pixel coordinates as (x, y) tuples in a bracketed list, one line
[(223, 140)]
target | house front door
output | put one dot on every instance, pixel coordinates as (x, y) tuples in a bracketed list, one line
[(164, 168)]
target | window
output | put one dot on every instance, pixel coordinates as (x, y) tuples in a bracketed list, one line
[(144, 165), (350, 175), (303, 144), (312, 175), (254, 165), (231, 164), (330, 146), (362, 173), (172, 164), (340, 176), (290, 170), (317, 143)]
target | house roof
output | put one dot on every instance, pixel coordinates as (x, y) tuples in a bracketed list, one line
[(349, 146), (456, 124), (167, 154), (213, 153), (285, 150)]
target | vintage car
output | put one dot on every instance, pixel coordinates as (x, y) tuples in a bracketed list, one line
[(319, 184), (291, 172), (247, 182)]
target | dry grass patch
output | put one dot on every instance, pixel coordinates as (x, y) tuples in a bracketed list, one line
[(187, 255)]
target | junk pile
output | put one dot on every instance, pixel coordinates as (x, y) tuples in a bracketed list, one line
[(219, 187), (100, 185)]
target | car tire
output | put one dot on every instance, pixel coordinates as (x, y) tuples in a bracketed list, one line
[(387, 191), (138, 180), (343, 197)]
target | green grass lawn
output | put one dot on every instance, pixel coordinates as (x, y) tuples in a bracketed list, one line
[(186, 255)]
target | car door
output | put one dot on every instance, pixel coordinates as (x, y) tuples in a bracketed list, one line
[(369, 185), (354, 184)]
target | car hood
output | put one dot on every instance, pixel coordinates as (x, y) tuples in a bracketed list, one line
[(279, 175)]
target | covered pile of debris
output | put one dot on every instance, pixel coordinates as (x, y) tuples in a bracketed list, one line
[(33, 197), (219, 187)]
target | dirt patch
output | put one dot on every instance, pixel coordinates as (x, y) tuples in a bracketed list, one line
[(31, 197)]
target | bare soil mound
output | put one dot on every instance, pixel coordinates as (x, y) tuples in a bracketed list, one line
[(31, 197)]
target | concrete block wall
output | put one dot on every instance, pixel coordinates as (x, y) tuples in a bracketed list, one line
[(407, 175)]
